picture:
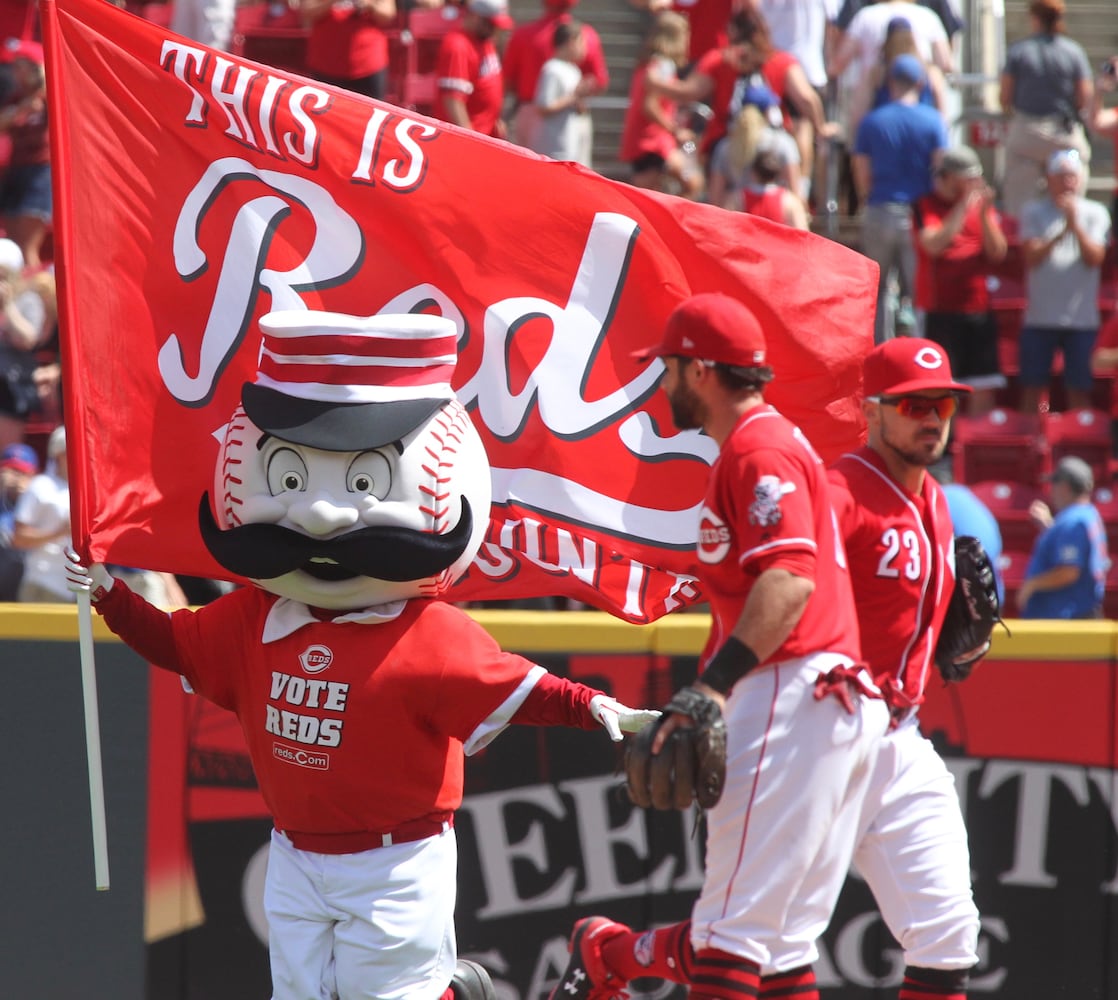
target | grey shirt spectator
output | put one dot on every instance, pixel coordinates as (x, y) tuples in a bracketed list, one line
[(1046, 70), (1063, 288)]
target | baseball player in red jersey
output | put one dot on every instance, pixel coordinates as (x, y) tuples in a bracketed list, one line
[(352, 489), (803, 717), (912, 842)]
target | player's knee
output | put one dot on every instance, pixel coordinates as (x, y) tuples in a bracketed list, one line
[(951, 940)]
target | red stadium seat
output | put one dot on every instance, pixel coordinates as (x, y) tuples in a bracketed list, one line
[(1105, 500), (1013, 566), (1110, 594), (158, 13), (272, 34), (1009, 503), (1002, 445), (413, 56), (1007, 281), (418, 92), (1085, 433)]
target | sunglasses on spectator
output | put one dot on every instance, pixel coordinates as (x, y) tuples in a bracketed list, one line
[(921, 407)]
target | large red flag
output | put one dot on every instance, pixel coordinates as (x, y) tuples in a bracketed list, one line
[(196, 191)]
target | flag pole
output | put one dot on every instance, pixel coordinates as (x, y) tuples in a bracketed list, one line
[(93, 743)]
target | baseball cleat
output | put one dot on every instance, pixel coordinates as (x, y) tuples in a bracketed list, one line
[(471, 982), (586, 976)]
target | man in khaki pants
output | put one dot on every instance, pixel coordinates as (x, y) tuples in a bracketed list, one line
[(1046, 87)]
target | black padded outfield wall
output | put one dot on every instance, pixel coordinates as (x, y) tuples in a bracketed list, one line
[(546, 833)]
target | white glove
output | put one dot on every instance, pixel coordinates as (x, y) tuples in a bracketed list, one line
[(95, 579), (616, 718)]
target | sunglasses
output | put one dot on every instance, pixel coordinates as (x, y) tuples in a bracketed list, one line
[(920, 407)]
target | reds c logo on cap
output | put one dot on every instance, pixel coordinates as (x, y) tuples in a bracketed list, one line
[(928, 357)]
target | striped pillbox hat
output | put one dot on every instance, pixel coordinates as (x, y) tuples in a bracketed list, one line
[(348, 383)]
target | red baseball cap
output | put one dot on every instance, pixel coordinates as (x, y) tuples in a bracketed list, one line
[(908, 364), (21, 48), (712, 327)]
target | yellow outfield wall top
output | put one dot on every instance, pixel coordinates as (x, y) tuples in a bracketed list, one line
[(596, 632)]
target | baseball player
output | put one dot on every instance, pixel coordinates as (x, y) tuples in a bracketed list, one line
[(802, 716), (894, 518), (352, 489)]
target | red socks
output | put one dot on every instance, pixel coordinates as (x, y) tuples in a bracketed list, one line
[(934, 984), (795, 984), (718, 975)]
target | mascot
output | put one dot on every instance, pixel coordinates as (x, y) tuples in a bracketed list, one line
[(352, 490)]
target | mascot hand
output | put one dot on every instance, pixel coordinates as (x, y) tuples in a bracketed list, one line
[(617, 719), (95, 579)]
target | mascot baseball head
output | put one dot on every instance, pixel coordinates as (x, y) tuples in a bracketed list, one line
[(350, 475)]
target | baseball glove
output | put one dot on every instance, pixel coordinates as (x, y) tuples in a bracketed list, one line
[(972, 613), (691, 765)]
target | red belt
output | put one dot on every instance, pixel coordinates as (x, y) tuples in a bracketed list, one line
[(365, 840)]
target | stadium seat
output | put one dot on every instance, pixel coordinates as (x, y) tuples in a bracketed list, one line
[(1013, 566), (1007, 281), (413, 56), (272, 34), (1002, 445), (1108, 282), (1106, 502), (158, 13), (1110, 594), (1009, 503), (1085, 433)]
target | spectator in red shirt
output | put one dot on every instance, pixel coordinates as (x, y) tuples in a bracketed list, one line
[(764, 197), (958, 239), (347, 46), (652, 141), (722, 75), (529, 47), (471, 87)]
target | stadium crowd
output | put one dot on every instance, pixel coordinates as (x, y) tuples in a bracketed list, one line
[(746, 104)]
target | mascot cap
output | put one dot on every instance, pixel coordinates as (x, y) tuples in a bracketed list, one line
[(349, 383)]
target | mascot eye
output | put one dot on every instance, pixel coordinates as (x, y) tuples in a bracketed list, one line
[(287, 472), (370, 473)]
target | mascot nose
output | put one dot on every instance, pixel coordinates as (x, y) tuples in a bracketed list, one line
[(322, 515)]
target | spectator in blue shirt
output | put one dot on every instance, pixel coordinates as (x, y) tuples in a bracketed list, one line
[(970, 516), (895, 151), (1067, 570)]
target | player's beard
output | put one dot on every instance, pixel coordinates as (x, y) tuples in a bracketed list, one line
[(686, 407), (927, 450)]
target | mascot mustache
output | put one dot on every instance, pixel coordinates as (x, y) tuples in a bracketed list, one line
[(395, 554)]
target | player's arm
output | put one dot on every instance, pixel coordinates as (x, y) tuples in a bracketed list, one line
[(774, 607)]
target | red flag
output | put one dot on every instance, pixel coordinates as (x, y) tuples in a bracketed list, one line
[(196, 191)]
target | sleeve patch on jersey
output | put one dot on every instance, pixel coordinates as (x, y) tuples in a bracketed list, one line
[(765, 509)]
